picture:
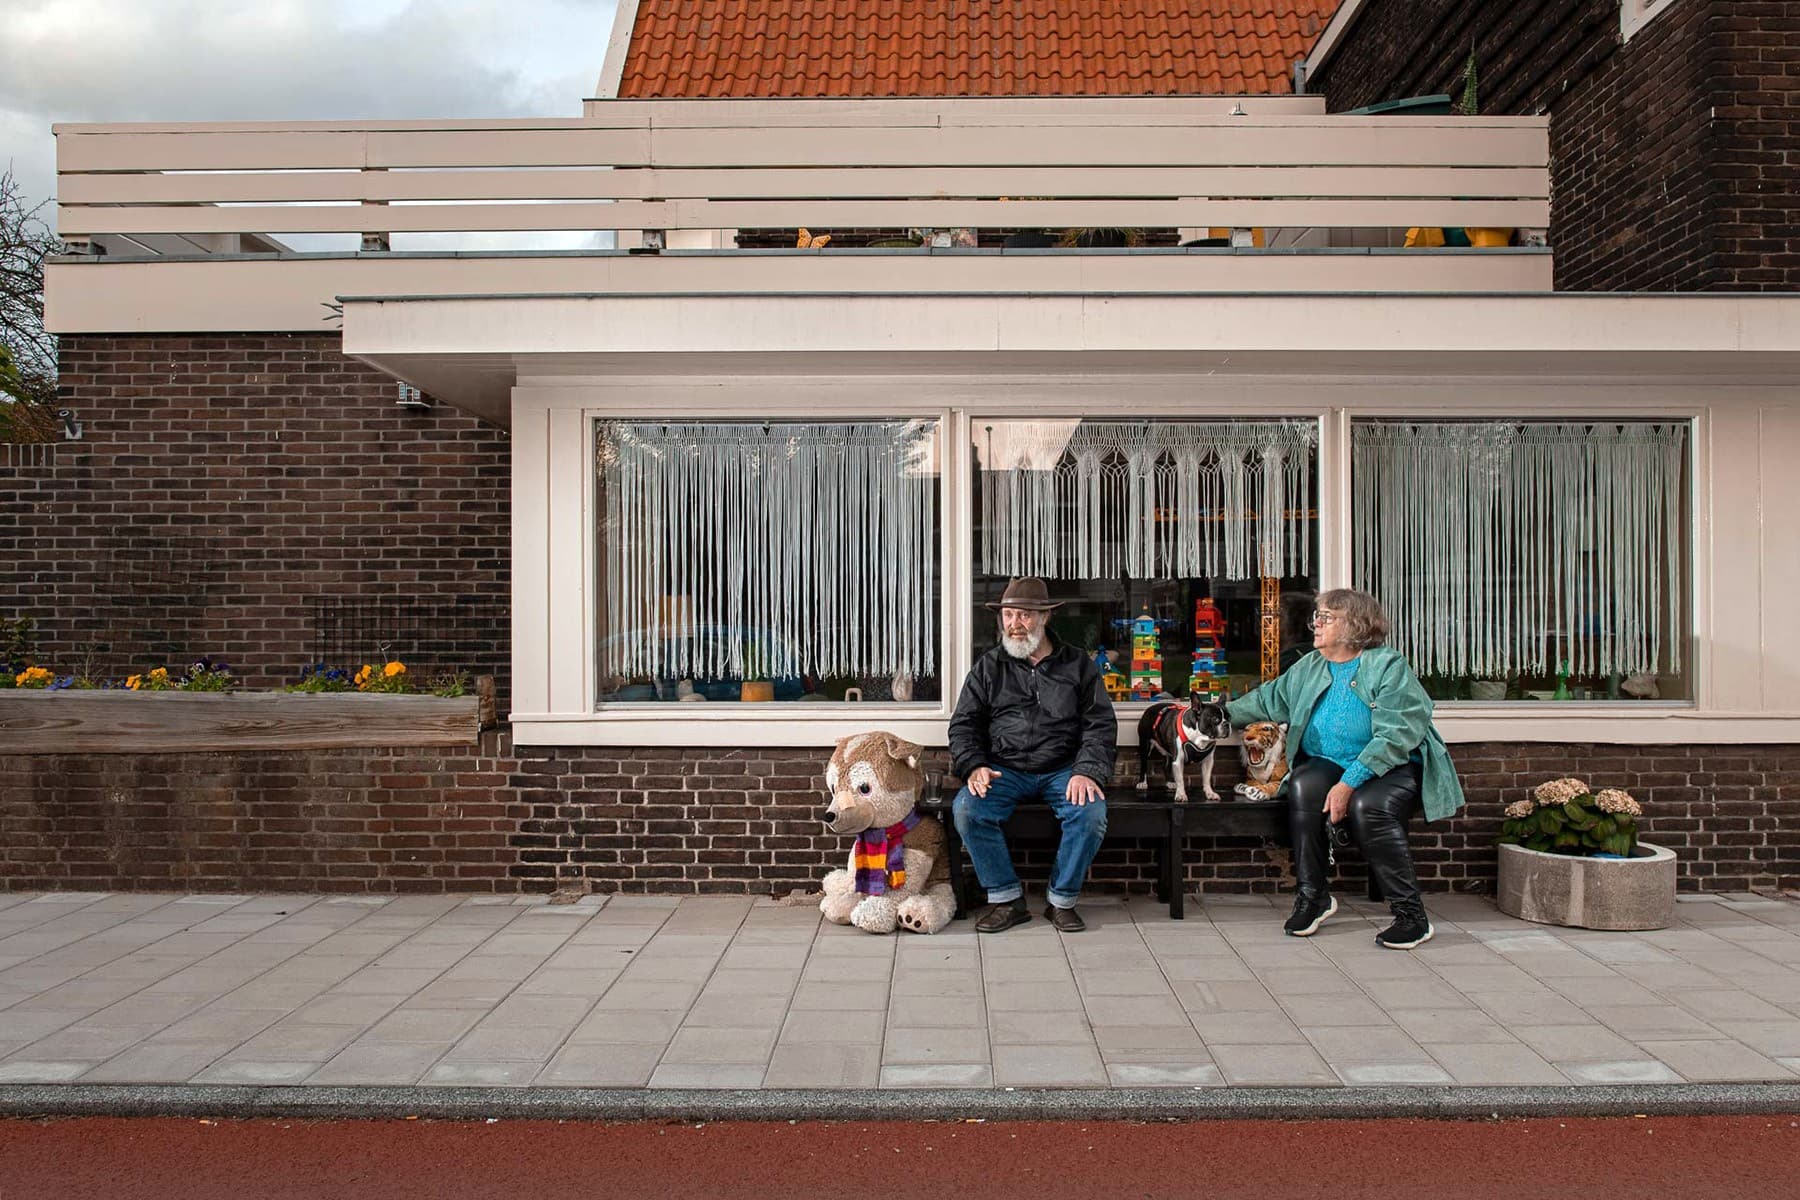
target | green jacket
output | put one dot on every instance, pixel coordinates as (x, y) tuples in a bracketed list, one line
[(1400, 711)]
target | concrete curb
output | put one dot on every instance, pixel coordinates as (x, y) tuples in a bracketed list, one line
[(1023, 1104)]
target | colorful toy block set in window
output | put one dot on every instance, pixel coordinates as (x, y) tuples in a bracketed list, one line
[(1143, 678), (1206, 681)]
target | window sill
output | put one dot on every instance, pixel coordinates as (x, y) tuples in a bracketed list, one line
[(777, 725), (1645, 722), (773, 723)]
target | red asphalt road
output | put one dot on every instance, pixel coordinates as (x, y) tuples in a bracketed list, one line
[(1757, 1158)]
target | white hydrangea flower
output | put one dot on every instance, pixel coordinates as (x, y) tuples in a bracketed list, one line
[(1520, 808), (1612, 800), (1560, 791)]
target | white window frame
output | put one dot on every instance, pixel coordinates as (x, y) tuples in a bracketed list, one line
[(661, 711), (554, 536), (1635, 14), (1328, 566), (1604, 721), (556, 617), (1509, 709)]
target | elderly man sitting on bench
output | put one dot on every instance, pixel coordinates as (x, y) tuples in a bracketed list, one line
[(1033, 723)]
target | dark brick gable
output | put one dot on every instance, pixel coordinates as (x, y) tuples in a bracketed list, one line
[(1675, 157)]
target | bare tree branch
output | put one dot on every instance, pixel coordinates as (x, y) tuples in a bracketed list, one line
[(27, 351)]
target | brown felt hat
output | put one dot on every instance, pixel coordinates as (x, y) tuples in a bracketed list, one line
[(1028, 593)]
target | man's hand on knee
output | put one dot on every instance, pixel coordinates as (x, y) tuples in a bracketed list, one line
[(980, 778), (1083, 790)]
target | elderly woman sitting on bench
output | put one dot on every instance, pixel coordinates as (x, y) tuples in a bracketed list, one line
[(1368, 762)]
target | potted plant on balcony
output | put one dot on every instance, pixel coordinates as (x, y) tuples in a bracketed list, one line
[(1469, 104), (1569, 855), (1102, 238), (1466, 104)]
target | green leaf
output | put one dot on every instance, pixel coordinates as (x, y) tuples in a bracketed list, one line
[(1469, 103)]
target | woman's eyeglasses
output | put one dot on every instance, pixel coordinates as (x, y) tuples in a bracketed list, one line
[(1321, 618)]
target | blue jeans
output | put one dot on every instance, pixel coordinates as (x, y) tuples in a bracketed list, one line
[(979, 820)]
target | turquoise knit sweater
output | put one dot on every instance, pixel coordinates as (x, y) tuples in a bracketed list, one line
[(1342, 726)]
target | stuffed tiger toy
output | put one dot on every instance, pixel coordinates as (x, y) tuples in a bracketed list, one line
[(1265, 760)]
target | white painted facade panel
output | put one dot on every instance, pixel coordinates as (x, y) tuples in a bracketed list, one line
[(1745, 561)]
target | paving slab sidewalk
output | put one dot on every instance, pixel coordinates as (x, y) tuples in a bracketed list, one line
[(648, 992)]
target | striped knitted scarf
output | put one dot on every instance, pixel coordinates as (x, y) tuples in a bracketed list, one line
[(881, 856)]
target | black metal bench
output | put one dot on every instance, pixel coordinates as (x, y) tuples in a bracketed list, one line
[(1129, 814)]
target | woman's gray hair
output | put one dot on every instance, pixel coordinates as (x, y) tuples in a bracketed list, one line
[(1365, 624)]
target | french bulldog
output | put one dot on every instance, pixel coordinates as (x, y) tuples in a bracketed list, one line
[(1182, 733)]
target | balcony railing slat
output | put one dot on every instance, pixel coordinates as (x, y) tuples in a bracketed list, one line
[(1271, 142), (823, 214), (808, 184)]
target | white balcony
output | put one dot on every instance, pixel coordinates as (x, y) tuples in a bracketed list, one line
[(258, 226)]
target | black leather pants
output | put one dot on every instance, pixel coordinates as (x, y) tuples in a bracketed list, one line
[(1377, 817)]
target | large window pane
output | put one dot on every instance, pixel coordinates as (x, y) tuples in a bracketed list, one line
[(1208, 529), (782, 561), (1528, 560)]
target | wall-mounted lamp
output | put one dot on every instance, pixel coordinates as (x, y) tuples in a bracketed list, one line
[(71, 428), (1237, 110), (412, 399)]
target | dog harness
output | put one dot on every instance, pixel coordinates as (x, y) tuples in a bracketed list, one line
[(880, 856), (1177, 711)]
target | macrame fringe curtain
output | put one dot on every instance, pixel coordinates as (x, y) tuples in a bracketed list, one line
[(1500, 548), (1156, 500), (752, 551)]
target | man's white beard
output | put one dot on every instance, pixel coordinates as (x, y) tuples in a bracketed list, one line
[(1022, 647)]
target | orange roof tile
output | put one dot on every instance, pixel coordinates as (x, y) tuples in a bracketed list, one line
[(820, 48)]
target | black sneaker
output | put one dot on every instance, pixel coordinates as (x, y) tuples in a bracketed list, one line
[(1410, 928), (1003, 916), (1310, 911)]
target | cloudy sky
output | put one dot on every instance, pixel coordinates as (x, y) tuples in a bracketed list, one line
[(272, 60)]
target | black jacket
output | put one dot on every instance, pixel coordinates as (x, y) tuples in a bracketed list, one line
[(1038, 719)]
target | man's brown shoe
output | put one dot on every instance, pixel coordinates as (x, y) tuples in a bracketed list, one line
[(1002, 917), (1066, 920)]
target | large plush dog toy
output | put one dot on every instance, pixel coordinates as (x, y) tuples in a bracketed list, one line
[(898, 874)]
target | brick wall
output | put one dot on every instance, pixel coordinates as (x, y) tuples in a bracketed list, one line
[(226, 487), (1673, 155), (739, 821), (1755, 77)]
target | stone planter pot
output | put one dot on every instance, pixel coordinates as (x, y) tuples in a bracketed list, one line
[(1589, 893)]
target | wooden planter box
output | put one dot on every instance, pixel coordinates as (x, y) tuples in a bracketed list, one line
[(1589, 893), (71, 722)]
